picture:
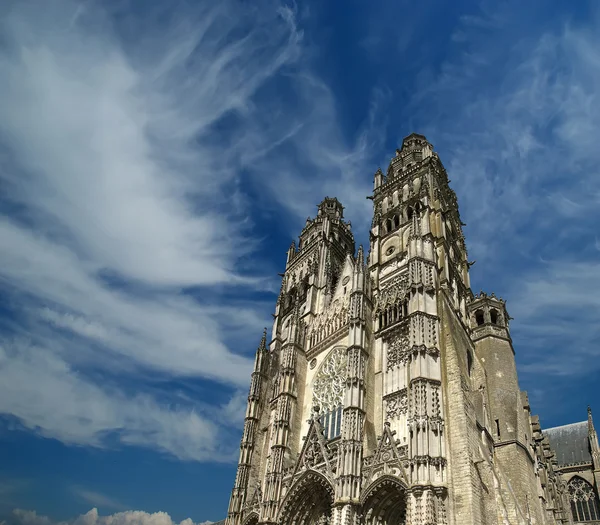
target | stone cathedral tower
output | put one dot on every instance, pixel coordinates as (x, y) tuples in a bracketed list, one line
[(388, 393)]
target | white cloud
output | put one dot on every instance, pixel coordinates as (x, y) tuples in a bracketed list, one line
[(121, 189), (110, 143), (130, 517), (558, 306), (325, 162), (49, 396)]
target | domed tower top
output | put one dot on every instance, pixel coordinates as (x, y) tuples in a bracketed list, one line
[(415, 148), (331, 207)]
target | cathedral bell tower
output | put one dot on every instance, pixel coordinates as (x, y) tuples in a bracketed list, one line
[(417, 264)]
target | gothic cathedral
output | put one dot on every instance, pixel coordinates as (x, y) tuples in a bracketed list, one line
[(388, 393)]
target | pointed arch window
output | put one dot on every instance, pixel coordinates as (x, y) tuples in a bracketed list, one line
[(584, 501)]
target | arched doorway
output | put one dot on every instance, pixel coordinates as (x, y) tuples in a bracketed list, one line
[(384, 502), (251, 519), (308, 502)]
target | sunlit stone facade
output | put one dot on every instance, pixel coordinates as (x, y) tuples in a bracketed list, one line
[(388, 392)]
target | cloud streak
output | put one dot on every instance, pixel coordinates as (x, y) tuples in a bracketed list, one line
[(122, 210), (97, 499)]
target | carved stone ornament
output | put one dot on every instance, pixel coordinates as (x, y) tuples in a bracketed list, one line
[(398, 350), (396, 404), (329, 385), (393, 292), (313, 455)]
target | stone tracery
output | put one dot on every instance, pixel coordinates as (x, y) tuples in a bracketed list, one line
[(584, 503), (328, 389)]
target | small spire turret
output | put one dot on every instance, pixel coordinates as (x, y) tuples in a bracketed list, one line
[(360, 257), (379, 178), (263, 341), (291, 252), (593, 437)]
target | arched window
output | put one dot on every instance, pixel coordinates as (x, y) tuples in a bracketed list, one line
[(388, 226), (479, 317), (584, 502), (396, 221), (494, 316)]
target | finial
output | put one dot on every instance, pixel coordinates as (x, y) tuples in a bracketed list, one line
[(360, 257)]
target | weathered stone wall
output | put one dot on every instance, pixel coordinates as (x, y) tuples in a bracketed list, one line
[(461, 429)]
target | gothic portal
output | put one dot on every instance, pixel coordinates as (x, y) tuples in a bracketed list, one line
[(388, 393)]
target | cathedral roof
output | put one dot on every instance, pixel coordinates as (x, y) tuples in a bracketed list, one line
[(570, 443)]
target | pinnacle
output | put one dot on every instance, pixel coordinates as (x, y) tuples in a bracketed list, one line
[(263, 340), (296, 312), (360, 257)]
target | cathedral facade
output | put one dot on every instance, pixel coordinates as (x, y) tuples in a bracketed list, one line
[(388, 392)]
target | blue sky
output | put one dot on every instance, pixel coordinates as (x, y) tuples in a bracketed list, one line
[(156, 159)]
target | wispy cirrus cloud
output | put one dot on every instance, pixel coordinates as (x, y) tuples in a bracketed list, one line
[(316, 159), (50, 397), (121, 137), (97, 498)]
